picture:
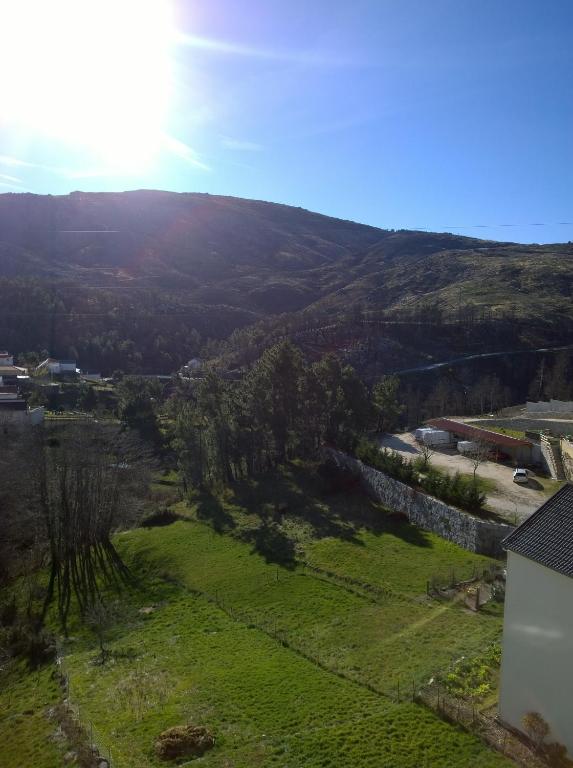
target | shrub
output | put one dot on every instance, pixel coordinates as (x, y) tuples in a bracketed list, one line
[(36, 646), (162, 517), (183, 741), (453, 490)]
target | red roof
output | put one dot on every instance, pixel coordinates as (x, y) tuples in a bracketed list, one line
[(478, 434)]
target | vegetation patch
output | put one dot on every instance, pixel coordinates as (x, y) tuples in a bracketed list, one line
[(183, 741)]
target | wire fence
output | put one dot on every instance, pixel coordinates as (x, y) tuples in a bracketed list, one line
[(99, 745), (432, 694), (485, 724)]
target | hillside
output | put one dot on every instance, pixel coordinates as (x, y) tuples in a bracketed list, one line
[(142, 280)]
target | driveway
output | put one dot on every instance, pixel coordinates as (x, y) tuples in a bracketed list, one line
[(512, 501)]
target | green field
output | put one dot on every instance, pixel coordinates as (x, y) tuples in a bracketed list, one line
[(308, 663), (26, 732)]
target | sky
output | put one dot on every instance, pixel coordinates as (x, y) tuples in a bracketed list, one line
[(446, 115)]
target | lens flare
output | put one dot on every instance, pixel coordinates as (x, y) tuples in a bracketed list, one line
[(93, 73)]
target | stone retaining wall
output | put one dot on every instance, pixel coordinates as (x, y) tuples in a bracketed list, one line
[(552, 406), (425, 511)]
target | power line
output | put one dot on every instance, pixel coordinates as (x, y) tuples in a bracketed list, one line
[(435, 227)]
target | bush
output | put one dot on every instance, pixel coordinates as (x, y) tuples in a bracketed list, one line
[(183, 741), (163, 517), (35, 646), (453, 490)]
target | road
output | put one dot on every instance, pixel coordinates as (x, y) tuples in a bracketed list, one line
[(510, 500), (481, 356)]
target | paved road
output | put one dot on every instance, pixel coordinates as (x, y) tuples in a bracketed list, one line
[(509, 499), (483, 355)]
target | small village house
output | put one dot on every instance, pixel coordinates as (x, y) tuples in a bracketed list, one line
[(53, 366), (9, 373), (537, 663), (6, 358), (14, 410)]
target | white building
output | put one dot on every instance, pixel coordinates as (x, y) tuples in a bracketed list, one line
[(14, 410), (51, 365), (6, 358), (537, 663)]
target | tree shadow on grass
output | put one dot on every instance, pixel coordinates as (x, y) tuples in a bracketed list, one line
[(272, 543), (292, 493), (210, 510)]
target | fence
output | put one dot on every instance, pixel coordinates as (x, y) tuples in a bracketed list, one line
[(490, 730), (98, 743)]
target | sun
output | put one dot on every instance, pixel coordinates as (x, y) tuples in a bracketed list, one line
[(95, 74)]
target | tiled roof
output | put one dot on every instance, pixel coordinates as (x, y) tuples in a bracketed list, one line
[(478, 434), (547, 536)]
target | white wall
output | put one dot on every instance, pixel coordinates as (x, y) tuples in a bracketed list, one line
[(537, 663)]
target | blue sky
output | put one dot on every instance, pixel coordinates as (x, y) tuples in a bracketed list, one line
[(435, 114)]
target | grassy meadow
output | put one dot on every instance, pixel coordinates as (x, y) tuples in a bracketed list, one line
[(290, 620)]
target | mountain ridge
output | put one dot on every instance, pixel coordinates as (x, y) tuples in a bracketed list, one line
[(134, 267)]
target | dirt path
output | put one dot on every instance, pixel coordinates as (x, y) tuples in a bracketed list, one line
[(512, 501)]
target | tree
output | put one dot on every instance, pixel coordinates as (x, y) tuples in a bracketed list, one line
[(137, 398), (477, 457), (100, 617), (89, 480), (426, 452), (386, 404)]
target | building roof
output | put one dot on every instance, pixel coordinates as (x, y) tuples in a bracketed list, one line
[(478, 434), (11, 370), (547, 536)]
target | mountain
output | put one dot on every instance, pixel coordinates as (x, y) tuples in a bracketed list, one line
[(142, 280)]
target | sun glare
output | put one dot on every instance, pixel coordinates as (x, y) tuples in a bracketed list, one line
[(93, 73)]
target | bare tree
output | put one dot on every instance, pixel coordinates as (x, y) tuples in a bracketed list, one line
[(20, 528), (477, 457), (90, 480), (426, 453)]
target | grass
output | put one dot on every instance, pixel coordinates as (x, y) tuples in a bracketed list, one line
[(26, 732), (485, 484), (519, 433), (265, 704), (548, 485), (340, 624), (288, 664)]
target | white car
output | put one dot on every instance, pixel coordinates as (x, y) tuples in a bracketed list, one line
[(520, 476)]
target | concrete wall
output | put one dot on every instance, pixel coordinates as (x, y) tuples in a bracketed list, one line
[(553, 406), (536, 669), (427, 512)]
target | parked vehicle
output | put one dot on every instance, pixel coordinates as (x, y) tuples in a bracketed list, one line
[(520, 476)]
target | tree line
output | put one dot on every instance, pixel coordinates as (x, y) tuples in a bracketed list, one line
[(283, 408)]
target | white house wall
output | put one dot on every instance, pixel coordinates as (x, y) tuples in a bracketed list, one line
[(537, 663)]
